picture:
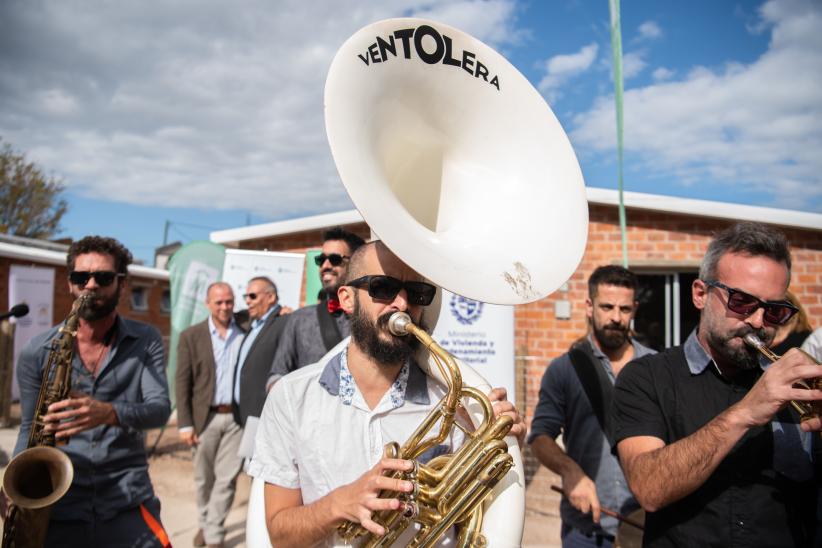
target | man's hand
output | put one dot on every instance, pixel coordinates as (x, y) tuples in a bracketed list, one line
[(812, 425), (499, 398), (189, 437), (358, 500), (775, 388), (581, 492), (76, 414)]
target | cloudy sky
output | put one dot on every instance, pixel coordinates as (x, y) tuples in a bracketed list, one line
[(209, 114)]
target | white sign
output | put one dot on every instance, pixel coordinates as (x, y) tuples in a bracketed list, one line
[(481, 335), (35, 287), (284, 269)]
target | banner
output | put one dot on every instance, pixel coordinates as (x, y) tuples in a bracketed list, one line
[(481, 335), (191, 269), (313, 284), (284, 269), (35, 287)]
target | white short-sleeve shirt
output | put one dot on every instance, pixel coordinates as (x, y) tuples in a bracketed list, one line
[(317, 433)]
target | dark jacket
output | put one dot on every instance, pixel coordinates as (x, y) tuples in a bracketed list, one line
[(254, 373)]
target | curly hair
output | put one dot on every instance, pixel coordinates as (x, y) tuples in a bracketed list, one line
[(104, 246)]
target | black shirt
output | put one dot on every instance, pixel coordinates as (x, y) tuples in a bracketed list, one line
[(761, 494)]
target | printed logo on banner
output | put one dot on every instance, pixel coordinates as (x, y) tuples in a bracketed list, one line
[(198, 277), (466, 311)]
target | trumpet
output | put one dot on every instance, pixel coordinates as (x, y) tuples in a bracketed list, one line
[(806, 409)]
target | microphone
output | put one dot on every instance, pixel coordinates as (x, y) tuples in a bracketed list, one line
[(17, 311)]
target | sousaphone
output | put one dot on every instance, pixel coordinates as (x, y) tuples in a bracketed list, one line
[(457, 163)]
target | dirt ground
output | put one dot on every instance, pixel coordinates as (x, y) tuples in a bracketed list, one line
[(170, 467)]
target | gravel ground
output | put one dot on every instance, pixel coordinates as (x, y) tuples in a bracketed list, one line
[(171, 473)]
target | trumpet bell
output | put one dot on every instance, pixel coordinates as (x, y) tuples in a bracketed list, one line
[(456, 161)]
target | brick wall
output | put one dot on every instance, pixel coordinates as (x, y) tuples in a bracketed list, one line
[(63, 301)]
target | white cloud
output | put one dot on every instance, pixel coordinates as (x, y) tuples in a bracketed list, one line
[(193, 103), (561, 68), (757, 127), (661, 74), (649, 30), (632, 64)]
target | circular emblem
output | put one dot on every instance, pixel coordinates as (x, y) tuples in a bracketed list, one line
[(466, 311)]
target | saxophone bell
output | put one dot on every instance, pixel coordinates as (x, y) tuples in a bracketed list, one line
[(41, 474)]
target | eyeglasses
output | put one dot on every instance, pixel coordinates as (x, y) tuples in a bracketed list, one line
[(334, 258), (253, 296), (776, 312), (385, 288), (104, 278)]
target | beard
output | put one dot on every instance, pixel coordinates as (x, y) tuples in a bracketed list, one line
[(331, 286), (743, 357), (98, 307), (611, 336), (366, 333)]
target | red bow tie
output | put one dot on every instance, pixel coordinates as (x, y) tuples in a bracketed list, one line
[(334, 307)]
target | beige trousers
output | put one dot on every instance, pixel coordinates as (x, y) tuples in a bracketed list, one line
[(216, 466)]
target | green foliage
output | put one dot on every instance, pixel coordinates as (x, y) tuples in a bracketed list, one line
[(30, 202)]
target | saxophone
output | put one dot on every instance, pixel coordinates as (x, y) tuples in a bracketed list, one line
[(41, 474)]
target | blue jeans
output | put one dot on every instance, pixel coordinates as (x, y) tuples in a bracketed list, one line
[(574, 538)]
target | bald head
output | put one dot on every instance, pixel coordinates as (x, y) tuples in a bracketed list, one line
[(217, 286), (220, 303), (375, 258)]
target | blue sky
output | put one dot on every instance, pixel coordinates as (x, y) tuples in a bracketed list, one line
[(208, 115)]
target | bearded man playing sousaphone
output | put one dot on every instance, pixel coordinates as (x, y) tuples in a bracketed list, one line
[(320, 444), (118, 389)]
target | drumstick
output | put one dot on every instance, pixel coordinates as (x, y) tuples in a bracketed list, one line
[(607, 511)]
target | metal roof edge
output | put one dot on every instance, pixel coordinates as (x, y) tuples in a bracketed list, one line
[(291, 226), (706, 208), (599, 196), (57, 258)]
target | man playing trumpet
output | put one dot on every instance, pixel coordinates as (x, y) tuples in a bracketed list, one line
[(707, 440), (321, 438)]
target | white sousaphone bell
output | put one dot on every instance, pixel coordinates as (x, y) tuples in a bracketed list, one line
[(458, 164)]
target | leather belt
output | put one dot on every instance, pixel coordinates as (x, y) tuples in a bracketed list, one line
[(226, 408)]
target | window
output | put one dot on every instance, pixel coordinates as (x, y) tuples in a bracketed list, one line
[(139, 298), (666, 314), (165, 301)]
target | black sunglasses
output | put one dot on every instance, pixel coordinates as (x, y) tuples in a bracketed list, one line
[(776, 312), (385, 288), (253, 296), (334, 258), (104, 278)]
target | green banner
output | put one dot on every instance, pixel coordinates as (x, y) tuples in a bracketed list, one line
[(191, 269), (313, 285)]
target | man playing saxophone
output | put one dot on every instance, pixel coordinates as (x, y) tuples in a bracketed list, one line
[(321, 438), (118, 389), (707, 440)]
